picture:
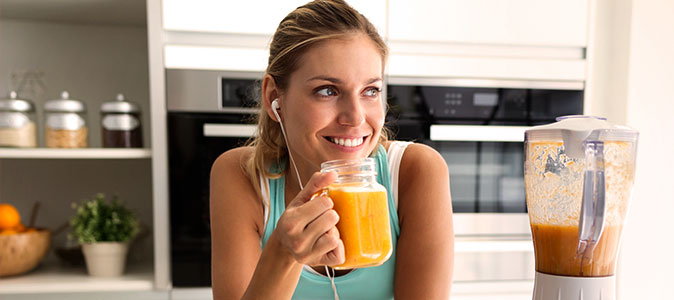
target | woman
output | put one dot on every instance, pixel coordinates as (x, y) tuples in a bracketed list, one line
[(323, 84)]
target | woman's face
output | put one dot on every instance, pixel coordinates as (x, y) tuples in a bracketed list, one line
[(332, 108)]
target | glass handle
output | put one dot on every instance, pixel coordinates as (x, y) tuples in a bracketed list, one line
[(593, 207)]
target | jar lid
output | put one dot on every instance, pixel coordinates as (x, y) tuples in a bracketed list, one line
[(64, 104), (120, 105), (13, 103)]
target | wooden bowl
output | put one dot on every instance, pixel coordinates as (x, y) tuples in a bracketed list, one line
[(21, 252)]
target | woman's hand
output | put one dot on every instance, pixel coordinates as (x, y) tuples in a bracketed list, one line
[(307, 227)]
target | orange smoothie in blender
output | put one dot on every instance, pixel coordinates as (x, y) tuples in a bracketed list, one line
[(555, 248), (363, 224)]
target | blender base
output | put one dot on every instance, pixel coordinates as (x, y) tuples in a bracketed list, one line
[(553, 287)]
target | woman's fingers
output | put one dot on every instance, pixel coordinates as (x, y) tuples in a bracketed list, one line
[(316, 183), (330, 248), (321, 225)]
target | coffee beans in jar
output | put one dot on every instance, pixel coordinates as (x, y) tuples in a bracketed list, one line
[(120, 124), (17, 122), (65, 123)]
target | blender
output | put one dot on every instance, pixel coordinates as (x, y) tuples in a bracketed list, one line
[(578, 175)]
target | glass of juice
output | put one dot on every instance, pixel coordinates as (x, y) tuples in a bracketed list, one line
[(362, 205)]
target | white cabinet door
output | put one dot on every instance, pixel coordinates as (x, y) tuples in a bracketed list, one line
[(500, 22), (247, 17)]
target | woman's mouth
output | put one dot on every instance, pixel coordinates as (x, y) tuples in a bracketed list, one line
[(347, 142)]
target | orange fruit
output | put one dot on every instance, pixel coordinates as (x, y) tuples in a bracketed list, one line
[(9, 216)]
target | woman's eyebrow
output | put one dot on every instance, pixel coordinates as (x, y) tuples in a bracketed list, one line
[(326, 78), (339, 81)]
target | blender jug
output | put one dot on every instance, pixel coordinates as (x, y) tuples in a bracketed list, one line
[(578, 176)]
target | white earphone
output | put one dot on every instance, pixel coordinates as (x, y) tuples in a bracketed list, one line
[(274, 104), (275, 107)]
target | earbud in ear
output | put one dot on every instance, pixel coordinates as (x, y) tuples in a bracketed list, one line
[(274, 108)]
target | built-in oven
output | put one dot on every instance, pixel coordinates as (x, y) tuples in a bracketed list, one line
[(478, 127), (209, 112)]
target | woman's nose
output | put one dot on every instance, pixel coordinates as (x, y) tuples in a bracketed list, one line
[(351, 111)]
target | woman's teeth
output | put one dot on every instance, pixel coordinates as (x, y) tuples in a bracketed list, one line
[(347, 142)]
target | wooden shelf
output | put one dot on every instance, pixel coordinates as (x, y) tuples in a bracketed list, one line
[(84, 153), (56, 279)]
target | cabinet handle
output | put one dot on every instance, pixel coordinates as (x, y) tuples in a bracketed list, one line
[(229, 130), (478, 133)]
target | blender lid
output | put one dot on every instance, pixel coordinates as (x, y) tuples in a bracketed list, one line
[(13, 103), (64, 104), (574, 130), (120, 105)]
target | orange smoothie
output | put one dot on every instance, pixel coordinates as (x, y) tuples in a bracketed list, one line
[(555, 250), (363, 225)]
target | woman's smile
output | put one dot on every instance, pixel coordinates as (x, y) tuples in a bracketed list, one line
[(347, 143)]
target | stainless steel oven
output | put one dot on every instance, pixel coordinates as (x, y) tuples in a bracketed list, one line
[(209, 112), (478, 127)]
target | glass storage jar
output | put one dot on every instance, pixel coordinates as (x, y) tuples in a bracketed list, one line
[(362, 205), (120, 124), (65, 123), (17, 122)]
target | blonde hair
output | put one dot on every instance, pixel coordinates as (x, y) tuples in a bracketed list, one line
[(307, 25)]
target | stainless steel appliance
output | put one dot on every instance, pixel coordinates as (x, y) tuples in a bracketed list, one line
[(478, 127), (209, 112)]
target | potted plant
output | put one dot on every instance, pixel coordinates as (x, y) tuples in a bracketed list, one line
[(104, 230)]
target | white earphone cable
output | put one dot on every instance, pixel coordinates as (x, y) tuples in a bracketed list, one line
[(299, 180)]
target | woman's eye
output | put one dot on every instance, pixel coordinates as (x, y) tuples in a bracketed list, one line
[(326, 92), (372, 92)]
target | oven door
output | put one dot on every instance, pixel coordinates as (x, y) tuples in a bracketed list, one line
[(195, 140), (478, 128)]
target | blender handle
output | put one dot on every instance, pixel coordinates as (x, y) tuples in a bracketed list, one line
[(593, 207)]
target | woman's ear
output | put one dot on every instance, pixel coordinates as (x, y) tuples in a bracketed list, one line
[(270, 93)]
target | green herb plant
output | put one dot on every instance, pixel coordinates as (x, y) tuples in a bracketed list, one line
[(97, 220)]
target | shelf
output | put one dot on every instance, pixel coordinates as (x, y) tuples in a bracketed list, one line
[(55, 279), (88, 153)]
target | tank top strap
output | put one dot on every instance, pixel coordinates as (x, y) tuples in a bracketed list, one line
[(384, 178), (276, 201)]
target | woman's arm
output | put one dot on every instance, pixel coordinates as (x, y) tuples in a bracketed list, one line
[(305, 234), (425, 250)]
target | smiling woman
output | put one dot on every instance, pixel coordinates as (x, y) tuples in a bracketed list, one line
[(320, 101)]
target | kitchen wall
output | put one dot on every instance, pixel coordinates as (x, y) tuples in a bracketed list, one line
[(94, 63), (647, 258)]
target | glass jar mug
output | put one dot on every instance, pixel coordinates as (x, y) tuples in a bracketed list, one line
[(362, 206)]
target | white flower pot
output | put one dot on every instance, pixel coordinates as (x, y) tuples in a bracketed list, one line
[(105, 259)]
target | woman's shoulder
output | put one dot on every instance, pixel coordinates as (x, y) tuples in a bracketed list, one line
[(232, 163), (420, 159)]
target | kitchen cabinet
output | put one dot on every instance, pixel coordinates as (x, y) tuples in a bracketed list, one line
[(520, 40), (490, 22), (207, 34), (259, 17), (94, 50)]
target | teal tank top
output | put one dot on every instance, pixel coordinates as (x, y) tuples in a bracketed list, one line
[(365, 283)]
